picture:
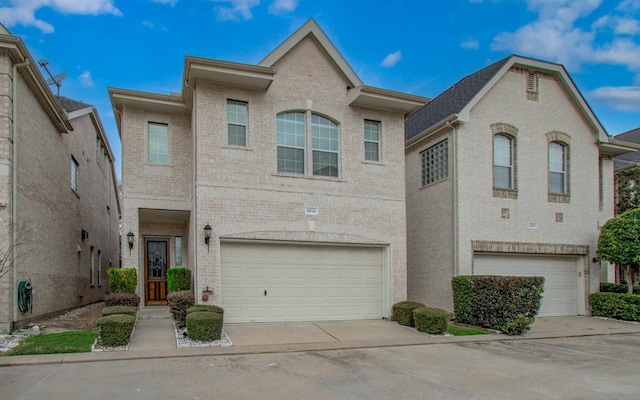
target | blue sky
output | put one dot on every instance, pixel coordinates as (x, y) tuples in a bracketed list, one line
[(420, 46)]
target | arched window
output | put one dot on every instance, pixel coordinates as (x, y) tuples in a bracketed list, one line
[(291, 141), (503, 162), (325, 143), (557, 168)]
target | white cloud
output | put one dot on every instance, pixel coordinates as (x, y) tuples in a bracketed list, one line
[(148, 24), (282, 6), (392, 59), (239, 9), (624, 98), (86, 80), (470, 44), (170, 2), (22, 12), (627, 26)]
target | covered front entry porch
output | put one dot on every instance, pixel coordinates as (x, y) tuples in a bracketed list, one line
[(163, 244)]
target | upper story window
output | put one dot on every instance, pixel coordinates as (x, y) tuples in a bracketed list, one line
[(291, 141), (503, 162), (557, 168), (435, 163), (237, 123), (74, 174), (158, 143), (325, 141), (371, 140)]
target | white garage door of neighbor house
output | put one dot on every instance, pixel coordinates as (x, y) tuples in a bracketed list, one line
[(287, 282), (560, 297)]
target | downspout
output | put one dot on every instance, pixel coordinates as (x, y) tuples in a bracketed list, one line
[(454, 140), (14, 182)]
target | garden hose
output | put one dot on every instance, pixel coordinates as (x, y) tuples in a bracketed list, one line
[(24, 296)]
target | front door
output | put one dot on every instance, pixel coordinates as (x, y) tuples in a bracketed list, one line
[(156, 261)]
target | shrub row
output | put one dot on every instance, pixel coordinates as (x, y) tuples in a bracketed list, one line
[(403, 312), (179, 302), (122, 280), (616, 305), (505, 303), (121, 299), (424, 319), (178, 279), (116, 325), (204, 326), (607, 287)]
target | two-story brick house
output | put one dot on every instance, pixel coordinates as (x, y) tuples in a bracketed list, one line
[(294, 168), (508, 172), (59, 208)]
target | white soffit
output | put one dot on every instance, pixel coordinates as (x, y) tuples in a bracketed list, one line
[(386, 100)]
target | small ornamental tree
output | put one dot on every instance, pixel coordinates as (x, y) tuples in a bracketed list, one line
[(619, 243)]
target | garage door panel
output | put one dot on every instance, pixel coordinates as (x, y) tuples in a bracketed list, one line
[(560, 295), (302, 282)]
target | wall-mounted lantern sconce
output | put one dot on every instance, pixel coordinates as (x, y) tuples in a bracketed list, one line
[(130, 236), (596, 259), (207, 234)]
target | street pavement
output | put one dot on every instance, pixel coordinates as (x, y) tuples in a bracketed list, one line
[(603, 366)]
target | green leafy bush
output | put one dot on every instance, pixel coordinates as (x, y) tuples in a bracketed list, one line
[(617, 288), (204, 326), (431, 320), (179, 302), (206, 308), (127, 310), (505, 303), (403, 312), (178, 279), (122, 280), (616, 305), (116, 329), (121, 299)]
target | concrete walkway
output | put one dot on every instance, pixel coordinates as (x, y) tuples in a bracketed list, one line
[(154, 337)]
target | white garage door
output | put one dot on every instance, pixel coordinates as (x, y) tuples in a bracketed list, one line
[(275, 282), (560, 297)]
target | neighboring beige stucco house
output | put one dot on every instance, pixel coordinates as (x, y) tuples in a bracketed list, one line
[(56, 181), (294, 164), (508, 172)]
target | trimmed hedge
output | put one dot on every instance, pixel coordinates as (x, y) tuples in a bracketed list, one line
[(431, 320), (206, 308), (607, 287), (116, 329), (616, 305), (403, 312), (122, 280), (178, 278), (204, 326), (121, 299), (179, 302), (505, 303), (127, 310)]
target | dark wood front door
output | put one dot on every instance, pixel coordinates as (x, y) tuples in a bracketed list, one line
[(156, 261)]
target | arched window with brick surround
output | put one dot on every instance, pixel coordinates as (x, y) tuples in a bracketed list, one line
[(558, 166), (504, 160)]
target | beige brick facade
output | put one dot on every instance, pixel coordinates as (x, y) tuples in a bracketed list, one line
[(48, 216), (238, 190)]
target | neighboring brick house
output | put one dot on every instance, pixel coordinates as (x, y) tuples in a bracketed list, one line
[(508, 172), (57, 182), (295, 166)]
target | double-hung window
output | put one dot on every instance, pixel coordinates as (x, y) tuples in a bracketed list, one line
[(291, 142), (503, 162), (557, 168), (237, 123), (326, 146), (158, 143), (371, 140)]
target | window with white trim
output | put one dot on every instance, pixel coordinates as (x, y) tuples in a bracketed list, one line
[(371, 140), (291, 141), (503, 162), (99, 269), (92, 266), (158, 143), (325, 142), (237, 120), (435, 163), (74, 174), (557, 168)]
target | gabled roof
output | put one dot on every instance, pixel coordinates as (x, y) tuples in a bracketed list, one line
[(455, 103), (311, 28), (70, 105), (630, 159)]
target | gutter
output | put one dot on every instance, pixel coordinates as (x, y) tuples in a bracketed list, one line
[(14, 183)]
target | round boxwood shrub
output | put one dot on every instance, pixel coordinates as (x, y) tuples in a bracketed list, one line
[(403, 312), (431, 320), (128, 310), (204, 326), (115, 329), (205, 307)]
